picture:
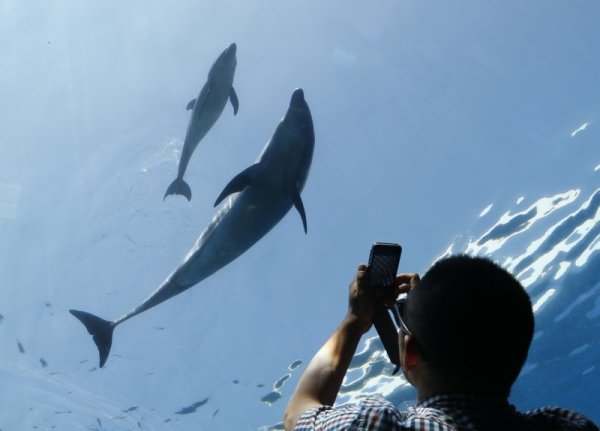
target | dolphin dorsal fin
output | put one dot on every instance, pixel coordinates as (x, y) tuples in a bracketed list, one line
[(300, 207), (240, 182), (234, 100), (190, 105)]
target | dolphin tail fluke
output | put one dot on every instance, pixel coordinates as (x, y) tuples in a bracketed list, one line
[(179, 187), (101, 330)]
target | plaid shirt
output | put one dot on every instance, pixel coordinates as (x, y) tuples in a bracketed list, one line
[(441, 413)]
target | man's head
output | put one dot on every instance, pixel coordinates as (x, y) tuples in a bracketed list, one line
[(472, 324)]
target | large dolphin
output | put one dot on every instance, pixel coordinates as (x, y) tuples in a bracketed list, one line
[(257, 199), (206, 109)]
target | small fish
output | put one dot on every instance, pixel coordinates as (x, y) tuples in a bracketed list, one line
[(192, 408), (295, 364)]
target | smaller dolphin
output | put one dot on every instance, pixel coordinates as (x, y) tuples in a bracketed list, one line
[(254, 202), (206, 109)]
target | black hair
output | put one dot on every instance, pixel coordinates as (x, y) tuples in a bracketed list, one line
[(473, 322)]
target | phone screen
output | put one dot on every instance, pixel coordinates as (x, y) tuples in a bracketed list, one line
[(383, 264)]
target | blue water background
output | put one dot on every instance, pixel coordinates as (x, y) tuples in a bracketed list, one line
[(464, 127)]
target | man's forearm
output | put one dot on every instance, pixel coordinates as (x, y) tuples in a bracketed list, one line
[(323, 377)]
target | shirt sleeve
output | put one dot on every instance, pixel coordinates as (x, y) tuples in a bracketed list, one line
[(562, 419), (372, 414)]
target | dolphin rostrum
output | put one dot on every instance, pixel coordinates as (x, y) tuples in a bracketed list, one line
[(206, 109), (256, 200)]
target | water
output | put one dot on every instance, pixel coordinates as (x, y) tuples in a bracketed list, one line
[(462, 128)]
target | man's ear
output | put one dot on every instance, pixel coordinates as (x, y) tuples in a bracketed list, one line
[(411, 357)]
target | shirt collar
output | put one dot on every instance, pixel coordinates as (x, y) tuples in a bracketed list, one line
[(463, 401)]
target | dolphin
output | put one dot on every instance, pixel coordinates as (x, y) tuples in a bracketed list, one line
[(206, 109), (253, 202)]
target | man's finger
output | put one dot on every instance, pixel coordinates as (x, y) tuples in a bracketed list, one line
[(405, 282)]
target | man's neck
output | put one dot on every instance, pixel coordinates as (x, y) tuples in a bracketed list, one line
[(427, 391)]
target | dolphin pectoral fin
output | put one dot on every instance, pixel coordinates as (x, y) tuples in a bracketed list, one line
[(101, 330), (239, 182), (300, 207), (190, 105), (234, 100), (179, 187)]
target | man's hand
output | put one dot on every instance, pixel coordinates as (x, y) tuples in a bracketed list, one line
[(361, 301), (362, 298), (405, 283)]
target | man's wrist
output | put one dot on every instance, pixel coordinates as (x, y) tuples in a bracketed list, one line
[(356, 324)]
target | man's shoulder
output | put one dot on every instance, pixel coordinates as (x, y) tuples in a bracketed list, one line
[(559, 418), (373, 413)]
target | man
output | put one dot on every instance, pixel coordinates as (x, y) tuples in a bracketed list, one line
[(464, 334)]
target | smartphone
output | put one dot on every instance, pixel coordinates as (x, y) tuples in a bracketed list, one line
[(383, 266)]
